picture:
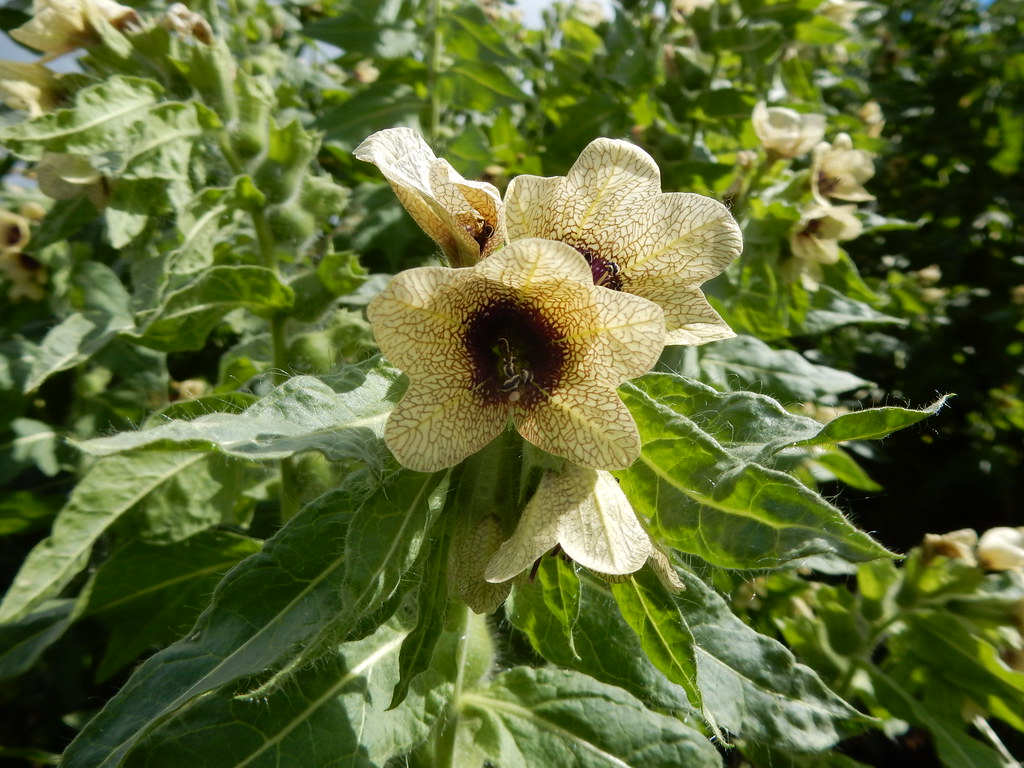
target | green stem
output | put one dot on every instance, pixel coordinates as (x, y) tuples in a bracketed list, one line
[(444, 749), (435, 10)]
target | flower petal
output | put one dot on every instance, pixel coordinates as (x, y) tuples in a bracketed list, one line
[(452, 210), (438, 423), (472, 546), (417, 319), (587, 514), (592, 203), (692, 238), (599, 530), (534, 261), (535, 534), (625, 341), (404, 158), (689, 319), (585, 423)]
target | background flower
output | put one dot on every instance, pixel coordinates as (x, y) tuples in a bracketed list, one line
[(524, 334), (60, 26), (838, 170), (785, 131), (610, 208)]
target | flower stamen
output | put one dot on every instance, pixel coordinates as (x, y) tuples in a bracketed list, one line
[(604, 271)]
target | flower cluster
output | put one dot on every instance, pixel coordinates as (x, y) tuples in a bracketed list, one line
[(837, 172), (560, 291)]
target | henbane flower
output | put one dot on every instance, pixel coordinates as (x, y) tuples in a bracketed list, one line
[(587, 515), (60, 26), (785, 131), (838, 170), (815, 239), (526, 335), (465, 218), (637, 240), (31, 87)]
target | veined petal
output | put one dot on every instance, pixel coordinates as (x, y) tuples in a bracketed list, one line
[(599, 530), (592, 203), (535, 261), (586, 513), (417, 319), (465, 218), (585, 423), (689, 319), (471, 549), (535, 534), (439, 423), (625, 341), (635, 239), (693, 238)]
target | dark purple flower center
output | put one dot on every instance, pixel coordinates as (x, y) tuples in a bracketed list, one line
[(827, 184), (516, 352), (14, 235), (604, 271)]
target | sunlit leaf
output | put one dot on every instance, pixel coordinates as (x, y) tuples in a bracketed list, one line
[(557, 717)]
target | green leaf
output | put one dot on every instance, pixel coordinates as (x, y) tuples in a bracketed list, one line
[(34, 444), (149, 594), (870, 424), (558, 717), (604, 648), (479, 86), (733, 513), (283, 607), (303, 414), (560, 589), (331, 714), (23, 640), (383, 105), (186, 316), (748, 363), (966, 661), (652, 613), (81, 335), (751, 684), (831, 309), (955, 748), (99, 121), (373, 29), (110, 489), (431, 603)]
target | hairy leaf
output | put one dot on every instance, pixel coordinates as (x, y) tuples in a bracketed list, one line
[(559, 717), (303, 414)]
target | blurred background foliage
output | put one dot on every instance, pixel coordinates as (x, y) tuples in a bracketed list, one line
[(928, 300)]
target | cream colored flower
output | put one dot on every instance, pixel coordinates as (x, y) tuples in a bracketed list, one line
[(26, 275), (63, 176), (638, 240), (586, 515), (14, 232), (681, 9), (838, 170), (526, 335), (842, 12), (186, 23), (814, 240), (60, 26), (785, 132), (31, 87), (465, 218), (1002, 549), (956, 545)]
